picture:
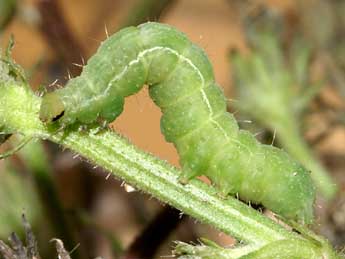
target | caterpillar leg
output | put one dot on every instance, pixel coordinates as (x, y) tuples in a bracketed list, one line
[(222, 194), (21, 144), (95, 128), (187, 175)]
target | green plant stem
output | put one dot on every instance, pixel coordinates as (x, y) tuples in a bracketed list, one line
[(291, 139), (19, 110), (19, 114), (282, 249), (161, 180), (146, 244), (188, 251)]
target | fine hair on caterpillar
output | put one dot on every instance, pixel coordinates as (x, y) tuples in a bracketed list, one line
[(181, 82)]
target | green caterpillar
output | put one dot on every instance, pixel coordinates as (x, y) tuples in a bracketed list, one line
[(182, 84)]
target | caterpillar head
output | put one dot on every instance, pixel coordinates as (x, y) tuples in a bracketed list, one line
[(52, 108)]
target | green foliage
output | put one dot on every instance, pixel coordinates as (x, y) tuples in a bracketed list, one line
[(276, 93)]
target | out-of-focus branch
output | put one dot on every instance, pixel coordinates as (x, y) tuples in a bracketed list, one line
[(36, 162), (58, 34), (146, 10), (7, 10), (149, 240)]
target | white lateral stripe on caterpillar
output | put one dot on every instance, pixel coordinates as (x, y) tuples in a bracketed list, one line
[(207, 139), (183, 58)]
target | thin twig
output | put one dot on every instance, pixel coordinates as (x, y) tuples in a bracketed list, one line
[(146, 244), (58, 34), (146, 10)]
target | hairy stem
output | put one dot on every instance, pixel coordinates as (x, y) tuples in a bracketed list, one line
[(19, 114), (147, 243), (19, 109), (149, 174)]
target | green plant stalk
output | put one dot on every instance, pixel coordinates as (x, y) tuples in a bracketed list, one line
[(282, 249), (292, 141), (19, 113), (19, 109), (151, 175), (188, 251)]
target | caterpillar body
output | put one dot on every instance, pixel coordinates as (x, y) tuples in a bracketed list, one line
[(181, 82)]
